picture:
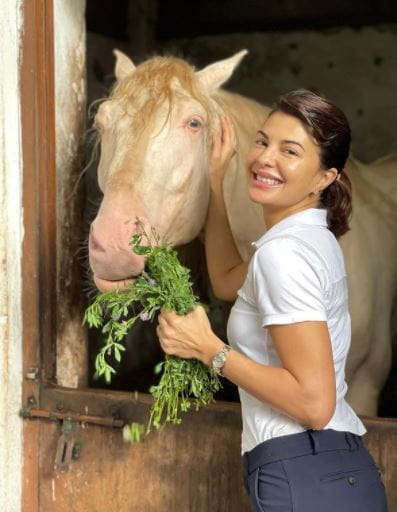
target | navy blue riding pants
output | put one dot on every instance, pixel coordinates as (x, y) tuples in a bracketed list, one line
[(313, 471)]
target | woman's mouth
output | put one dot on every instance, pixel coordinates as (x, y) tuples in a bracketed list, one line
[(265, 182)]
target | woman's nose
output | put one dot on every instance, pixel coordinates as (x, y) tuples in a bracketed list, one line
[(267, 157)]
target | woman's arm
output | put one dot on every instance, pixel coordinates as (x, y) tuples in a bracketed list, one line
[(226, 269), (303, 388)]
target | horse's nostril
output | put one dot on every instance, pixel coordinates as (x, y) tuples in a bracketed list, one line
[(95, 245)]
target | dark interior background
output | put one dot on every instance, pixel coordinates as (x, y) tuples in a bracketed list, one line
[(178, 18), (346, 50)]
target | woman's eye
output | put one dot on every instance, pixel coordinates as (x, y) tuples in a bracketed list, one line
[(194, 124), (260, 142), (291, 152)]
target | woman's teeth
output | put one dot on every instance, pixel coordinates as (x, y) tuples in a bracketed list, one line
[(269, 181)]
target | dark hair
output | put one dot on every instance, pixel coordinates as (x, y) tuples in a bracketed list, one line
[(330, 128)]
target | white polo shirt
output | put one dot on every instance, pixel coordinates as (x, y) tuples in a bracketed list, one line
[(296, 274)]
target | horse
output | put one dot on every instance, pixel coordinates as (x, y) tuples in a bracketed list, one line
[(155, 135)]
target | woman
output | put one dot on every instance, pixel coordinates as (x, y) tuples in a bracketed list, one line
[(289, 329)]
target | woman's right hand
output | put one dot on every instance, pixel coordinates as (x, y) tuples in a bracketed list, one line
[(224, 146)]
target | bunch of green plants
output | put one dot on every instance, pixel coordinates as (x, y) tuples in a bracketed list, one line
[(166, 283)]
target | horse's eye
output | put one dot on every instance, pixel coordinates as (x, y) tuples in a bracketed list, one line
[(194, 124)]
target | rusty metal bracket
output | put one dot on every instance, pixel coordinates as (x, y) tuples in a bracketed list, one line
[(65, 446), (69, 445), (34, 412)]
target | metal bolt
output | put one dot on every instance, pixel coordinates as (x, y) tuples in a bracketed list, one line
[(32, 374), (76, 452), (67, 425), (114, 411), (32, 400)]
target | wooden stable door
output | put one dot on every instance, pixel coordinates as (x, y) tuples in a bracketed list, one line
[(74, 454), (191, 467)]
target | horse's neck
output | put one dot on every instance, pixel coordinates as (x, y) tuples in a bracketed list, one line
[(248, 115), (381, 175), (375, 189), (245, 217)]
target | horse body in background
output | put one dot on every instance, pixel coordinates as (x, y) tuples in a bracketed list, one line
[(155, 142)]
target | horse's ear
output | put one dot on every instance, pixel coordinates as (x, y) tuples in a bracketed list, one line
[(216, 74), (124, 65)]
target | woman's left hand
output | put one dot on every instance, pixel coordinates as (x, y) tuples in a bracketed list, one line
[(188, 336)]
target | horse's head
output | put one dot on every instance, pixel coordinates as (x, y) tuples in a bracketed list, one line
[(155, 135)]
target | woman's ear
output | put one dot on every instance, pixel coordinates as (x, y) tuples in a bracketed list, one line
[(328, 177)]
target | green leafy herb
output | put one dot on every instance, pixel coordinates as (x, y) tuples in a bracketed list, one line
[(164, 283), (132, 432)]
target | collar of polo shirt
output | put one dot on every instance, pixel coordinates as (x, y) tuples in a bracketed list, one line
[(313, 216)]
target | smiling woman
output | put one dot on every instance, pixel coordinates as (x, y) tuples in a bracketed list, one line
[(331, 137), (289, 329), (297, 140)]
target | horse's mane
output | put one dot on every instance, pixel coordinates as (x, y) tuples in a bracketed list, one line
[(153, 83)]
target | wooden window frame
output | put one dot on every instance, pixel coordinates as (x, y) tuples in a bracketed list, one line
[(39, 220)]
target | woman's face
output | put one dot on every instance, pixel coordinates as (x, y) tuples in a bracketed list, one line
[(284, 165)]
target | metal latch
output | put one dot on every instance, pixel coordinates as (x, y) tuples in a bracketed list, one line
[(33, 412), (69, 444), (68, 447)]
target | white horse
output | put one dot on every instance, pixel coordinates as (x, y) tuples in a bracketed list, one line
[(155, 142)]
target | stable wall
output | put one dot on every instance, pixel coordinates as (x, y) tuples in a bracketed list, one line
[(70, 116), (355, 68)]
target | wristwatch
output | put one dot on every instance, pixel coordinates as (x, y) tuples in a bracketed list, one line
[(219, 360)]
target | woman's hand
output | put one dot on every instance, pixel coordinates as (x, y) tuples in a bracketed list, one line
[(188, 336), (224, 146)]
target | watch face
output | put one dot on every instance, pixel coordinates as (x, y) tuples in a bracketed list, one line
[(218, 361)]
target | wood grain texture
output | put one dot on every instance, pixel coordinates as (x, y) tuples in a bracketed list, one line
[(38, 263), (193, 467)]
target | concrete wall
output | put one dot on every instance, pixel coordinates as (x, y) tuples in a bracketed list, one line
[(70, 114), (11, 235), (356, 68)]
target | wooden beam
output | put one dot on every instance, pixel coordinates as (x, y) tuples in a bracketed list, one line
[(178, 18), (38, 265)]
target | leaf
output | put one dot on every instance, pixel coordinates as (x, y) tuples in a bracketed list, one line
[(117, 354), (158, 367)]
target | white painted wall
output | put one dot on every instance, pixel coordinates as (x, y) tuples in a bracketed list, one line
[(11, 235), (70, 109)]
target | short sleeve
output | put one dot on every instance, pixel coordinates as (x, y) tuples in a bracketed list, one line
[(288, 283)]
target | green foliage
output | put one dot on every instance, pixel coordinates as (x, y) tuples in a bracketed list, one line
[(164, 283), (132, 433)]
